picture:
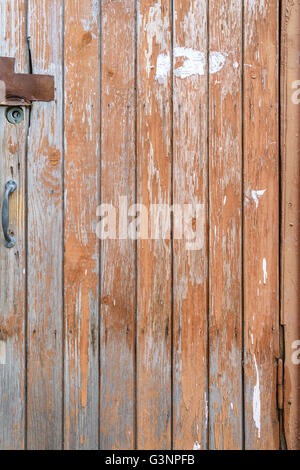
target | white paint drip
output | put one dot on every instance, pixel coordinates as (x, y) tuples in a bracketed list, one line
[(265, 271), (257, 195), (256, 401), (2, 353), (194, 63), (197, 446), (163, 66), (216, 62)]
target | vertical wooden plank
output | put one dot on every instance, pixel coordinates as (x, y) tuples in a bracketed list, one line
[(190, 187), (81, 263), (290, 278), (225, 150), (12, 261), (154, 256), (45, 325), (261, 223), (117, 406)]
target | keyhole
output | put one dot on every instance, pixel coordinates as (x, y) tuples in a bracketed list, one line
[(15, 115)]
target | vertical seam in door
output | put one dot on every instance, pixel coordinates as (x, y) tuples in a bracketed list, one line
[(63, 226), (99, 241), (135, 241), (172, 220), (282, 438), (242, 233), (29, 66), (208, 227)]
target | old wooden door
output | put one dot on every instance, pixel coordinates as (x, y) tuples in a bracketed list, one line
[(122, 343)]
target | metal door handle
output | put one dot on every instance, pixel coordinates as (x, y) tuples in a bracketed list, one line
[(10, 188)]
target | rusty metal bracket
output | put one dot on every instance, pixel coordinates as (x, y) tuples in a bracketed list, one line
[(21, 89)]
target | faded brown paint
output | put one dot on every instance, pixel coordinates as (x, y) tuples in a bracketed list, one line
[(225, 194), (45, 202), (154, 257), (12, 262), (186, 151), (190, 178), (261, 223), (290, 273), (81, 260), (117, 405)]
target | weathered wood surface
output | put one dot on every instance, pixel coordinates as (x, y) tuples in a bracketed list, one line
[(13, 262), (142, 344), (190, 177), (290, 273), (225, 202), (117, 314), (81, 257), (154, 264), (261, 223), (45, 235)]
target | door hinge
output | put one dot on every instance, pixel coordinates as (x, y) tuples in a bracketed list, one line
[(18, 89), (280, 384)]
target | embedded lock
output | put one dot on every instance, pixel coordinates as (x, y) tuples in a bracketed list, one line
[(15, 115), (16, 91)]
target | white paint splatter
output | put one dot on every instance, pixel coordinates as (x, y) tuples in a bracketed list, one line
[(231, 406), (197, 446), (163, 66), (216, 62), (224, 201), (193, 65), (257, 195), (252, 339), (265, 271), (2, 353), (256, 401)]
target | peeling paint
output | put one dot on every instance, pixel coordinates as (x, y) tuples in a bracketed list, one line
[(2, 353), (197, 446), (257, 195), (265, 270), (216, 62), (256, 401), (194, 63), (162, 67)]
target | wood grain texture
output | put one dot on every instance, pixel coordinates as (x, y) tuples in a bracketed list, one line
[(117, 406), (12, 261), (225, 192), (45, 236), (190, 175), (290, 273), (154, 256), (160, 106), (261, 219), (81, 261)]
